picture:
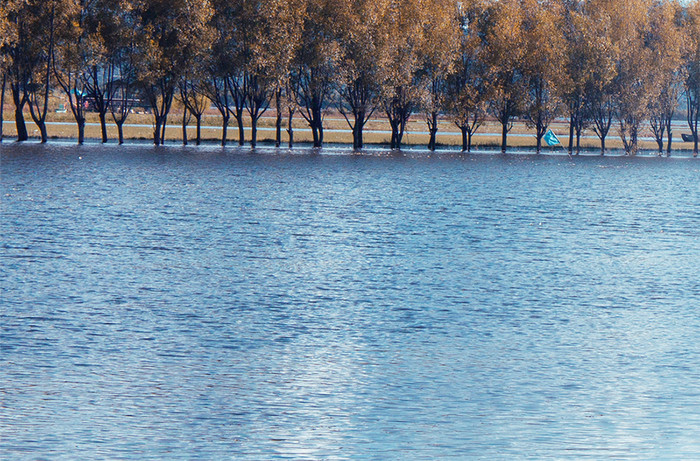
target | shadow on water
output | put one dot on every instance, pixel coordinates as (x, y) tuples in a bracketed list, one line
[(301, 149)]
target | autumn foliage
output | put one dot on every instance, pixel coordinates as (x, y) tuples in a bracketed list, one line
[(599, 64)]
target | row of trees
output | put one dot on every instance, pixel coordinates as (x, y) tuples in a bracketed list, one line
[(595, 62)]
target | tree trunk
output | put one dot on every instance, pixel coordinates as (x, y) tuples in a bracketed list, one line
[(120, 130), (504, 137), (360, 118), (578, 141), (81, 132), (103, 126), (692, 118), (2, 104), (21, 125), (224, 135), (633, 146), (224, 129), (253, 133), (469, 141), (19, 101), (44, 133), (394, 122), (40, 119), (432, 125), (465, 138), (357, 135), (184, 126), (164, 124), (241, 132), (314, 135), (278, 121), (199, 129), (316, 123), (278, 130), (539, 143), (317, 133), (238, 115), (398, 128), (669, 133), (156, 132), (602, 145), (290, 129), (571, 134)]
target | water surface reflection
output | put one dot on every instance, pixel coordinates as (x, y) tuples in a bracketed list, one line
[(208, 303)]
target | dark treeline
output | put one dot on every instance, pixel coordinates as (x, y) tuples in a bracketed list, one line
[(599, 63)]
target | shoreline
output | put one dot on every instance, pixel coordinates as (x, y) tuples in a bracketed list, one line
[(383, 150), (377, 135)]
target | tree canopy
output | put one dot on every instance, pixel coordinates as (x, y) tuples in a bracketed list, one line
[(597, 63)]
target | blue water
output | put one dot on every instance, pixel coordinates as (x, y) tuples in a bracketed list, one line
[(220, 304)]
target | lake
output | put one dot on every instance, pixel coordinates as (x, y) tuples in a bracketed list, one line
[(209, 303)]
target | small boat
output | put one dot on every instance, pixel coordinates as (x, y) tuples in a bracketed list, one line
[(687, 137)]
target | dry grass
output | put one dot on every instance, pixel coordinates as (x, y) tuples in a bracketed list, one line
[(140, 126)]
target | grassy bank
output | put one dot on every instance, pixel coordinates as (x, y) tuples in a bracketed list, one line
[(377, 132)]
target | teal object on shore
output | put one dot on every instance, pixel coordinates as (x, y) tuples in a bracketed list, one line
[(551, 139)]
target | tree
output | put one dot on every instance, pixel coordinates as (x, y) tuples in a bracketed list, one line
[(5, 26), (439, 48), (361, 39), (599, 86), (194, 101), (76, 51), (49, 13), (235, 86), (580, 66), (192, 82), (226, 87), (692, 71), (270, 37), (290, 103), (468, 84), (16, 61), (2, 103), (108, 31), (119, 80), (31, 58), (505, 58), (170, 34), (399, 93), (216, 90), (123, 73), (6, 37), (314, 68), (542, 70), (156, 63), (220, 64), (633, 83), (665, 39)]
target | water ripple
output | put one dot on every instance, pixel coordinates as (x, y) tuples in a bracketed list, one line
[(209, 304)]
